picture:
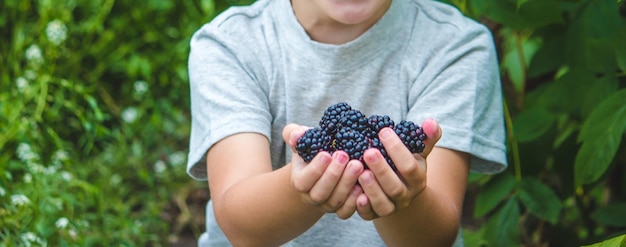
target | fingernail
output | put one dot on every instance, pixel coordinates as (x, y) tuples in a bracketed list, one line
[(385, 133), (354, 168), (372, 158), (367, 179), (342, 157), (325, 158)]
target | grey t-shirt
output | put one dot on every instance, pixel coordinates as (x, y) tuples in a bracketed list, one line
[(254, 69)]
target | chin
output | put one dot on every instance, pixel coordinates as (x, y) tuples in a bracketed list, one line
[(351, 12)]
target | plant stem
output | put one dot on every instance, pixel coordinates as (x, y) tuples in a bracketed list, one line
[(513, 141)]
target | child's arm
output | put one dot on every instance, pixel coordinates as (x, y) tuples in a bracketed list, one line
[(423, 208), (256, 206)]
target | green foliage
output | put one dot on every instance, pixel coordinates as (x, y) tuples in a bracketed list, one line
[(94, 119), (564, 77)]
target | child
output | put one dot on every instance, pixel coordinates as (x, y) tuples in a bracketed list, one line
[(259, 74)]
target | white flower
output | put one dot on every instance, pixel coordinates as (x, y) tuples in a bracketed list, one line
[(72, 233), (159, 166), (177, 158), (19, 200), (141, 87), (62, 223), (29, 237), (49, 170), (33, 55), (25, 152), (130, 114), (28, 178), (21, 84), (60, 155), (2, 191), (66, 176), (36, 168), (56, 32)]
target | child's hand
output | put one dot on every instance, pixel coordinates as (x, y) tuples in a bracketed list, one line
[(327, 182), (385, 191)]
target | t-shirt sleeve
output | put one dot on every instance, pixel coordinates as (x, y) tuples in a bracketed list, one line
[(225, 96), (461, 89)]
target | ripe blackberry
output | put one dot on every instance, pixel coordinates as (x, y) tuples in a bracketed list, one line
[(331, 116), (351, 141), (313, 141), (344, 128), (375, 143), (377, 122), (355, 120), (411, 135)]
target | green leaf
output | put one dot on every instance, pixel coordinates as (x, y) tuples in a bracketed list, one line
[(532, 123), (601, 134), (493, 192), (502, 229), (600, 55), (620, 49), (519, 51), (531, 15), (540, 200), (598, 90), (563, 95), (551, 54), (619, 241), (613, 215)]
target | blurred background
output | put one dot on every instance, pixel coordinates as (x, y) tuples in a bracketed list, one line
[(94, 123)]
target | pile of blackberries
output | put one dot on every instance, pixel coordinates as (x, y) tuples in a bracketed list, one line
[(347, 129)]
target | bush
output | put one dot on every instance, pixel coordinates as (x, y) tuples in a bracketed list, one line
[(94, 119), (564, 73)]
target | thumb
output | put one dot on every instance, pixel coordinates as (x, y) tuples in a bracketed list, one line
[(291, 133), (433, 132)]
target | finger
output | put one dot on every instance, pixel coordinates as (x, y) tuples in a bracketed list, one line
[(291, 133), (305, 177), (349, 207), (380, 203), (345, 185), (364, 208), (433, 132), (403, 159), (388, 180), (324, 187)]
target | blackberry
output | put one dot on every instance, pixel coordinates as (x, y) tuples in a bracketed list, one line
[(355, 120), (377, 122), (344, 128), (351, 141), (331, 116), (313, 141), (376, 143), (411, 135)]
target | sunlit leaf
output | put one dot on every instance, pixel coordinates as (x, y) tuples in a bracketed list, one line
[(619, 241), (519, 52)]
